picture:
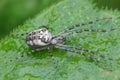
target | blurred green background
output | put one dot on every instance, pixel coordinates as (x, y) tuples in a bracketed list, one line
[(16, 12), (110, 4)]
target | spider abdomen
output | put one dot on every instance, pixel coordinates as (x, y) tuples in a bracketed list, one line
[(39, 38)]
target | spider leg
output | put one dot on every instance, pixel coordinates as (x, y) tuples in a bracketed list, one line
[(25, 54), (78, 50), (88, 30), (51, 55), (82, 24), (23, 34)]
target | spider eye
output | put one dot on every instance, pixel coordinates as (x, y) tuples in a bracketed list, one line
[(29, 34), (39, 31), (33, 33)]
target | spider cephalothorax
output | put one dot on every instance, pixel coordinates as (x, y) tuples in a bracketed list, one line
[(58, 40), (42, 39)]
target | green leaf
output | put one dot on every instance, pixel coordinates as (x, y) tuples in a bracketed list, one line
[(71, 66)]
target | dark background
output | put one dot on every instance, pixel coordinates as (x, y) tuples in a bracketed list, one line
[(15, 12)]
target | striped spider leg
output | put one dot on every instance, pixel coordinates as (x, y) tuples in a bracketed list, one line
[(26, 54), (42, 39), (78, 49), (68, 29), (89, 54)]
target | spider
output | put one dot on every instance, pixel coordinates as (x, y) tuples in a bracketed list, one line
[(43, 39)]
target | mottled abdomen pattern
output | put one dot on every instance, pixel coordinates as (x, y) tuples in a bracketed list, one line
[(39, 38)]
